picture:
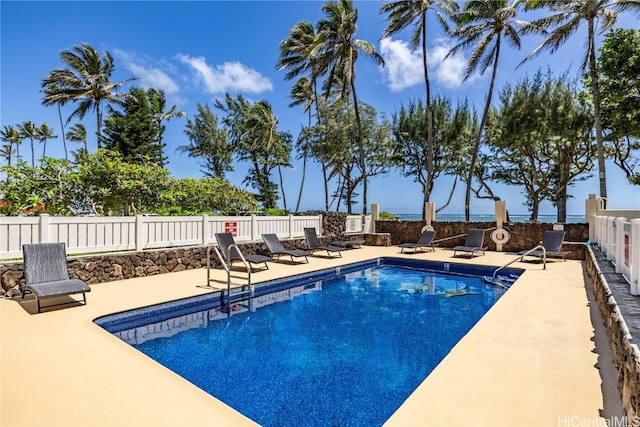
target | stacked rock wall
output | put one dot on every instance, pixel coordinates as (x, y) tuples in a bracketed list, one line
[(523, 235), (626, 354)]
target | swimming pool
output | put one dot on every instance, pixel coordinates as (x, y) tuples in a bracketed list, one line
[(342, 346)]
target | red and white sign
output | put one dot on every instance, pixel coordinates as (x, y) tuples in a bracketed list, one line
[(231, 227)]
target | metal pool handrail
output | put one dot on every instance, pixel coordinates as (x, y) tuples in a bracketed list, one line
[(544, 259)]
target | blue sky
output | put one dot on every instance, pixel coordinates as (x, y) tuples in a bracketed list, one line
[(197, 51)]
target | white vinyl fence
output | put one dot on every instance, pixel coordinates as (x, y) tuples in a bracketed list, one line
[(358, 224), (84, 235), (619, 239)]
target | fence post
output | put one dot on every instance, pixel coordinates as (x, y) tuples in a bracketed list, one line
[(140, 234), (320, 225), (43, 228), (619, 238), (610, 246), (206, 229), (290, 226), (254, 227), (634, 268)]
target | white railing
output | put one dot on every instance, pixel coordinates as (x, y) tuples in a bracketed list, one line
[(84, 235), (619, 239)]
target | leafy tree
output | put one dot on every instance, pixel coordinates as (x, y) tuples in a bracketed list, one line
[(337, 51), (540, 139), (452, 131), (485, 25), (160, 113), (45, 133), (209, 142), (401, 15), (564, 21), (190, 196), (48, 188), (619, 83), (133, 131), (334, 139), (86, 80), (110, 184), (253, 132), (28, 130)]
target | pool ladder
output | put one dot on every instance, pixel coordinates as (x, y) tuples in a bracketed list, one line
[(246, 290)]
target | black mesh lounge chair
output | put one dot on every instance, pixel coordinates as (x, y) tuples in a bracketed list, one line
[(314, 243), (473, 243), (423, 243), (552, 243), (226, 239), (46, 274), (276, 248)]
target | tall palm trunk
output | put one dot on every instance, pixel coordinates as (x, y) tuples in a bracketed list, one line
[(98, 124), (64, 140), (476, 148), (304, 171), (363, 163), (595, 89), (429, 183)]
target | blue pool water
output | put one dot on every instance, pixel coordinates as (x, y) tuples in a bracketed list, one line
[(334, 348)]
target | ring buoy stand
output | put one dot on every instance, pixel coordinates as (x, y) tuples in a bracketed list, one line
[(427, 228), (500, 236)]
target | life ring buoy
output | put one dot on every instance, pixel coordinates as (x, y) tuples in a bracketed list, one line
[(428, 227), (500, 236)]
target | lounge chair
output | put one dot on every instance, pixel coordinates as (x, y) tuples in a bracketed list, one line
[(473, 243), (276, 248), (47, 275), (314, 244), (423, 242), (552, 243), (225, 240)]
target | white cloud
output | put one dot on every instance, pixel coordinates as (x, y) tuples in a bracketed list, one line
[(450, 72), (403, 65), (226, 77), (149, 75), (403, 68)]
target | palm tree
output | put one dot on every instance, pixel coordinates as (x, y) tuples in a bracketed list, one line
[(484, 25), (30, 131), (296, 57), (78, 133), (402, 14), (158, 104), (12, 136), (86, 80), (337, 52), (45, 133), (51, 89), (6, 152), (566, 18), (302, 94)]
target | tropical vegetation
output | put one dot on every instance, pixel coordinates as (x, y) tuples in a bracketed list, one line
[(538, 135)]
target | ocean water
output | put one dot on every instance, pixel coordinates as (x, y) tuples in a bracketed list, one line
[(571, 219)]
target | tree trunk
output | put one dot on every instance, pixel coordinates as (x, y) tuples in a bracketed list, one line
[(363, 163), (429, 182), (595, 89), (476, 148)]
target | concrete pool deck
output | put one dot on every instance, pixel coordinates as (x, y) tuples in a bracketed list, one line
[(529, 361)]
